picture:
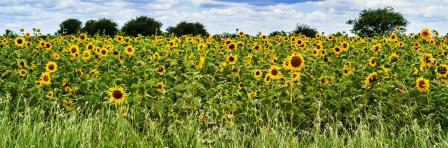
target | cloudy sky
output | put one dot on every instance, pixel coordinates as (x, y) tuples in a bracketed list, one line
[(250, 16)]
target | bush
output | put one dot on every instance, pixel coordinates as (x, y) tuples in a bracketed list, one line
[(185, 28), (379, 21), (101, 26), (305, 30), (142, 25), (70, 26)]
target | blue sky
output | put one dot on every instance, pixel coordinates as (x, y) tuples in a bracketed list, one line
[(219, 16)]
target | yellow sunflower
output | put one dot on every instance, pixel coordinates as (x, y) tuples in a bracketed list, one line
[(337, 50), (231, 59), (51, 67), (422, 84), (371, 79), (274, 72), (45, 78), (20, 41), (373, 62), (257, 73), (160, 87), (425, 34), (296, 61), (129, 50), (22, 73), (160, 69), (117, 95)]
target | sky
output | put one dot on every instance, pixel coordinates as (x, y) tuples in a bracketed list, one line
[(218, 16)]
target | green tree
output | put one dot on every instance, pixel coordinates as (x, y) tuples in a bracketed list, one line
[(70, 26), (102, 26), (142, 25), (185, 28), (305, 30), (378, 21)]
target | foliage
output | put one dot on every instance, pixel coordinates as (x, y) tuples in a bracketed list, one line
[(205, 89), (379, 21), (142, 25), (70, 26), (186, 28), (305, 30), (101, 26)]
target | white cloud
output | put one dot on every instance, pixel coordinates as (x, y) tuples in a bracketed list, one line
[(328, 16)]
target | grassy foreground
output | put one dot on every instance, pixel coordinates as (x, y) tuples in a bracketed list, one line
[(35, 128)]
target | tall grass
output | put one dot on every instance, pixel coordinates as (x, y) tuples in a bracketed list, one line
[(34, 127)]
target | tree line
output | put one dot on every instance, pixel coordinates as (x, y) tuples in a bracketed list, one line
[(370, 22)]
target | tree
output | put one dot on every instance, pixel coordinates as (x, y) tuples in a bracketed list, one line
[(142, 25), (379, 21), (70, 26), (101, 26), (185, 28), (305, 30)]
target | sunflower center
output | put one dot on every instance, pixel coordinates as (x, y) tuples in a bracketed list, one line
[(129, 49), (296, 61), (274, 72), (19, 41), (231, 46), (337, 49), (46, 78), (160, 69), (442, 70), (235, 70), (344, 45), (47, 45), (117, 94), (51, 67), (103, 52), (372, 78), (74, 50), (257, 73), (421, 84), (231, 59)]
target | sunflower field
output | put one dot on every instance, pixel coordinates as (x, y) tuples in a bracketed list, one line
[(227, 89)]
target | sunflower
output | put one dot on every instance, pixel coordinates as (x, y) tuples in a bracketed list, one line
[(257, 73), (393, 37), (201, 46), (51, 67), (295, 75), (231, 46), (422, 84), (231, 59), (86, 55), (274, 72), (38, 83), (324, 81), (315, 52), (235, 71), (129, 50), (376, 48), (425, 34), (117, 95), (240, 85), (119, 38), (74, 49), (160, 69), (241, 34), (20, 41), (427, 60), (160, 87), (347, 71), (264, 37), (50, 94), (21, 64), (337, 50), (56, 56), (22, 73), (103, 52), (371, 79), (156, 55), (82, 37), (47, 46), (296, 61), (256, 47), (252, 95), (373, 62), (46, 78), (393, 57), (90, 46), (442, 70), (68, 89), (68, 104), (345, 45)]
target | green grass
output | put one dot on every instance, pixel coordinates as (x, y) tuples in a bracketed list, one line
[(33, 127)]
